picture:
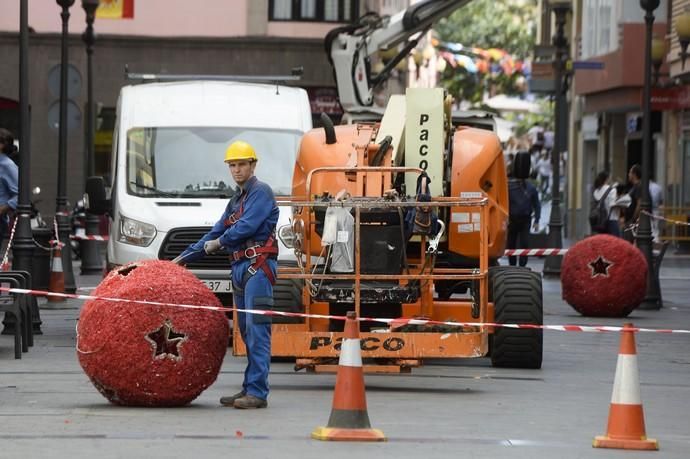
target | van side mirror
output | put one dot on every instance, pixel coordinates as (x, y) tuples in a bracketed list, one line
[(95, 198), (521, 165)]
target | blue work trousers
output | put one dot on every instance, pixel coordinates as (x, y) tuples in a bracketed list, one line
[(254, 292)]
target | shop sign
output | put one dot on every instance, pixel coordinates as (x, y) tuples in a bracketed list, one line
[(670, 99)]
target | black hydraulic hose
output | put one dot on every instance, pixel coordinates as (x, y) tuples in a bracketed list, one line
[(383, 148), (328, 129), (424, 13), (383, 76), (403, 240)]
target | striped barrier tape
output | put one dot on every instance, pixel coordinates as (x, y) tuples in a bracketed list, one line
[(88, 237), (668, 220), (396, 322), (534, 252), (84, 237), (5, 264)]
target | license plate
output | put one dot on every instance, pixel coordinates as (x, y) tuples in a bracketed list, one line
[(219, 286)]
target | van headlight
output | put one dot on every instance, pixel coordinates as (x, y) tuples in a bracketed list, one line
[(135, 232)]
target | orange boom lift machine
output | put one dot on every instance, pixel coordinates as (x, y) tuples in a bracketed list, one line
[(403, 219)]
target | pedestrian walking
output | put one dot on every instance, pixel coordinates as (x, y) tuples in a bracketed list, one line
[(523, 201), (632, 212), (545, 170), (656, 195), (536, 137), (9, 179), (246, 231), (603, 208)]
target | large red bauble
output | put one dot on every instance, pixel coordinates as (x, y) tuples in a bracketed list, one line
[(604, 276), (147, 355)]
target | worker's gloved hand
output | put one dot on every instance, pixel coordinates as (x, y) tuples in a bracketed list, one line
[(178, 260), (212, 246)]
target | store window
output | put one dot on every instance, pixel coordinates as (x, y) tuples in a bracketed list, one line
[(313, 10)]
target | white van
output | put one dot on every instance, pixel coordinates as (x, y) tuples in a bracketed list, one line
[(169, 184)]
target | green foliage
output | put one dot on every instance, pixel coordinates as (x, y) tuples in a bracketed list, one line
[(505, 24), (524, 121)]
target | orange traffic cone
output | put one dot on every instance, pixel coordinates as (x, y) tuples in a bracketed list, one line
[(349, 419), (626, 418), (57, 276)]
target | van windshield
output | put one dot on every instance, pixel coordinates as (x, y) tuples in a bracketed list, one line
[(187, 162)]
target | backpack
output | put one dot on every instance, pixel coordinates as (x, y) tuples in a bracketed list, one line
[(519, 199), (598, 216)]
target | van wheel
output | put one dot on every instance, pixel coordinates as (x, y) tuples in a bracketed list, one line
[(517, 297), (287, 297)]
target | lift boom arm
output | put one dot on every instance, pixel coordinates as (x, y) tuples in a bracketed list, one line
[(349, 47)]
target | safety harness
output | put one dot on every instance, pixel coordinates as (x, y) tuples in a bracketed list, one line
[(257, 252)]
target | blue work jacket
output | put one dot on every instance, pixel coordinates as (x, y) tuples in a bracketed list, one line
[(257, 222)]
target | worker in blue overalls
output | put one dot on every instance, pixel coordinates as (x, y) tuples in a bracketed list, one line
[(246, 231)]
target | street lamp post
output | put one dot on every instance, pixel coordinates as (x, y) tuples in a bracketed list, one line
[(561, 8), (23, 244), (643, 238), (90, 256), (62, 210)]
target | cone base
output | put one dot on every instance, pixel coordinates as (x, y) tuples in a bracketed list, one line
[(642, 444), (337, 434)]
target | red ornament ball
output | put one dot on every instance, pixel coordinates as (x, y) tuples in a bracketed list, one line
[(604, 276), (149, 355)]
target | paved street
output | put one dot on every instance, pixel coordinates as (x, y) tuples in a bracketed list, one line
[(48, 408)]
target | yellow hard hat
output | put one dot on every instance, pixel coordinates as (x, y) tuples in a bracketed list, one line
[(240, 150)]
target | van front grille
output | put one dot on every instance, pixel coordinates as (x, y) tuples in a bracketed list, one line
[(179, 239)]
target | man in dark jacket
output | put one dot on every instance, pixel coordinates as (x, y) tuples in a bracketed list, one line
[(523, 203)]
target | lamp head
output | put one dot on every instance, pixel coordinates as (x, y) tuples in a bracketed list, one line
[(89, 6), (649, 5), (560, 6), (658, 50), (65, 3), (658, 54), (682, 25)]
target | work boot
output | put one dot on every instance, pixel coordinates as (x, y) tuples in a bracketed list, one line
[(250, 402), (229, 400)]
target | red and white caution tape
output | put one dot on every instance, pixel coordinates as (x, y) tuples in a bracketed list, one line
[(535, 252), (88, 237), (668, 220), (56, 242), (85, 237), (5, 264), (396, 322)]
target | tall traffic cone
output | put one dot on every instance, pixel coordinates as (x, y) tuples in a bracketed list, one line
[(57, 276), (626, 418), (349, 419)]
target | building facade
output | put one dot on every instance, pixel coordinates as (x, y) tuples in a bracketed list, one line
[(238, 37), (606, 104)]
